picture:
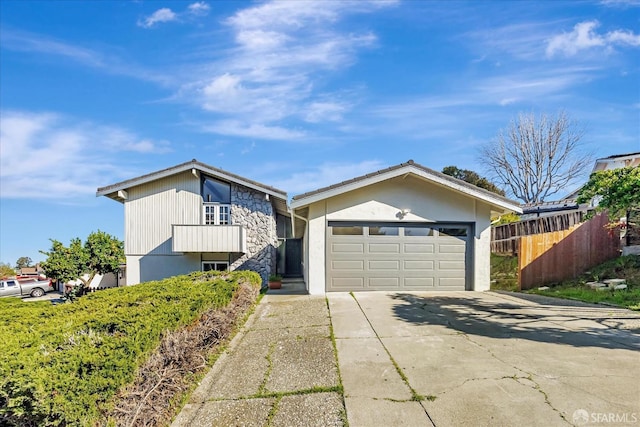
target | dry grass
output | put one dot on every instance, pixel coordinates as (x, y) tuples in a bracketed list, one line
[(168, 374)]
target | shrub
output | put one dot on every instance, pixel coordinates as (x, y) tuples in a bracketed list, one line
[(63, 364)]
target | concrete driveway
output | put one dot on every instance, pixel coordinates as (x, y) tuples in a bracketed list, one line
[(485, 359)]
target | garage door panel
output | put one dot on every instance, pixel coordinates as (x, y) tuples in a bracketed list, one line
[(387, 248), (399, 261), (451, 249), (419, 265), (393, 265), (451, 283), (376, 283), (419, 282), (347, 283), (419, 248), (347, 248), (357, 265), (451, 265)]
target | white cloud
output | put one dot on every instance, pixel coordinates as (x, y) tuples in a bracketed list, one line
[(620, 3), (29, 42), (23, 41), (161, 15), (326, 174), (66, 159), (199, 8), (321, 111), (252, 130), (165, 14), (584, 37), (282, 51)]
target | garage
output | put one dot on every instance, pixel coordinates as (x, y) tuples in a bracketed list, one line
[(403, 228), (393, 256)]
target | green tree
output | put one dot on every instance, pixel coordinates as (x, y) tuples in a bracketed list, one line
[(6, 270), (616, 190), (23, 261), (101, 253), (472, 178)]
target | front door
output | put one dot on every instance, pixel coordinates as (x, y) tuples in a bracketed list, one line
[(293, 258)]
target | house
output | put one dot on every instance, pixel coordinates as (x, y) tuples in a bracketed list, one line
[(193, 217), (404, 228), (568, 204), (617, 161)]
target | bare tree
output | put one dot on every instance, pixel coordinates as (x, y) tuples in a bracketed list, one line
[(536, 157)]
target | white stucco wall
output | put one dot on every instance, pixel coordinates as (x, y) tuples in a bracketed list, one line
[(383, 202)]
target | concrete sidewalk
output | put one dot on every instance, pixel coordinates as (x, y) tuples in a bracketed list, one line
[(280, 370)]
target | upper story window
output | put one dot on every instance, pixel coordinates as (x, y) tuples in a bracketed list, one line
[(214, 191), (217, 198)]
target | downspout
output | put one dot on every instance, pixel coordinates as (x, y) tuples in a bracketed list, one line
[(293, 223)]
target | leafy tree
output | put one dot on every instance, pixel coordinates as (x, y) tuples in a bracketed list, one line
[(472, 178), (6, 270), (617, 190), (536, 157), (100, 254), (23, 261)]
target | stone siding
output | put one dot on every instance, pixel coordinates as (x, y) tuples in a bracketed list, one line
[(250, 209)]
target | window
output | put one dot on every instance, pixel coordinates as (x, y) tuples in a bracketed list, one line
[(214, 191), (383, 231), (217, 198), (215, 214), (418, 231), (346, 230), (215, 266), (453, 232)]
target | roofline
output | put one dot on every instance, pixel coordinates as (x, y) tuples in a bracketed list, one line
[(616, 156), (183, 167), (439, 178), (613, 157)]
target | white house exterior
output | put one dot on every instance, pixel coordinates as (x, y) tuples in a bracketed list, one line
[(405, 228), (194, 217)]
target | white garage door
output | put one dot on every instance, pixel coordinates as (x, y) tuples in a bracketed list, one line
[(397, 256)]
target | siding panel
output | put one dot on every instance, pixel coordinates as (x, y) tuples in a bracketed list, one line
[(153, 208)]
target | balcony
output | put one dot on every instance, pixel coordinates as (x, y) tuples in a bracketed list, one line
[(208, 238)]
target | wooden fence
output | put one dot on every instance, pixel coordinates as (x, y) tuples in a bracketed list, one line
[(505, 239), (559, 255)]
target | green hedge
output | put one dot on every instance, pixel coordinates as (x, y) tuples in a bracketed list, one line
[(63, 364)]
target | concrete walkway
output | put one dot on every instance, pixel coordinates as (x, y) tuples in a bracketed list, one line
[(280, 370)]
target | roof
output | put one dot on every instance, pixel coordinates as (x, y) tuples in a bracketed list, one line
[(630, 159), (112, 190), (495, 200)]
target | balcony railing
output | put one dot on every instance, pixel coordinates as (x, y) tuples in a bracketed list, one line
[(209, 238)]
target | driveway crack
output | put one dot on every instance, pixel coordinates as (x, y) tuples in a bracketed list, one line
[(529, 377), (415, 396)]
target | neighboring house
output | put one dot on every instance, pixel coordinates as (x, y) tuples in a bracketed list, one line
[(99, 281), (568, 203), (193, 217), (404, 228), (617, 161)]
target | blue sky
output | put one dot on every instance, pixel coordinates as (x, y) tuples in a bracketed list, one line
[(294, 94)]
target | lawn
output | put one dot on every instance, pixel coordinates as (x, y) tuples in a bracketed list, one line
[(504, 273), (504, 277), (626, 267)]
